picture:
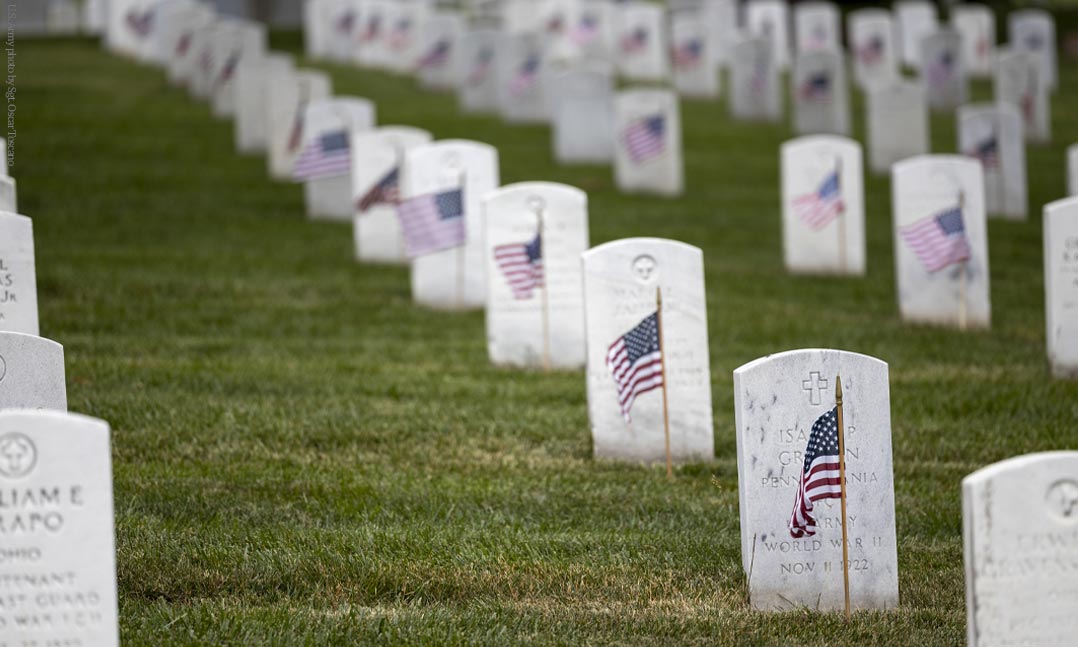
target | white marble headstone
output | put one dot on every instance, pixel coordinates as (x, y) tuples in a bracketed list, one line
[(454, 278), (9, 200), (641, 51), (977, 25), (695, 71), (897, 124), (1034, 31), (1061, 285), (777, 400), (438, 53), (620, 282), (942, 71), (583, 100), (647, 142), (329, 196), (821, 99), (242, 41), (342, 29), (535, 307), (315, 23), (18, 280), (873, 46), (722, 24), (592, 29), (823, 205), (992, 134), (1018, 83), (179, 47), (57, 470), (941, 255), (754, 82), (31, 373), (289, 95), (376, 155), (1072, 170), (769, 19), (816, 27), (1020, 540), (477, 90), (521, 84), (373, 20), (915, 19), (252, 94), (401, 42)]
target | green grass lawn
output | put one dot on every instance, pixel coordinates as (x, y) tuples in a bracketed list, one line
[(304, 457)]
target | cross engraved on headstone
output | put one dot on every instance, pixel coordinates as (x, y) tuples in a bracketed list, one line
[(815, 385)]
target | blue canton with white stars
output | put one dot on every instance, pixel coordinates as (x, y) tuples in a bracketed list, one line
[(644, 339), (450, 204)]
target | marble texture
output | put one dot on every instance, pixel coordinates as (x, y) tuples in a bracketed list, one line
[(583, 100), (73, 534), (663, 173), (516, 333), (992, 133), (1061, 285), (874, 46), (452, 279), (820, 96), (18, 280), (897, 124), (957, 295), (776, 401), (1020, 540), (31, 373), (375, 153), (837, 247), (620, 281)]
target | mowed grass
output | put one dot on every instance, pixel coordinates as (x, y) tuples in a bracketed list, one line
[(302, 456)]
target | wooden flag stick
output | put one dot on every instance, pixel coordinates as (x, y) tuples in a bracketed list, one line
[(461, 258), (962, 278), (842, 486), (662, 366), (843, 263), (545, 289)]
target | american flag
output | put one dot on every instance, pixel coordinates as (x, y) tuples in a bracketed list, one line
[(871, 52), (816, 87), (436, 56), (586, 30), (818, 37), (432, 222), (688, 54), (820, 477), (140, 23), (636, 361), (987, 152), (345, 22), (481, 69), (938, 240), (229, 69), (374, 27), (205, 60), (555, 24), (635, 41), (184, 44), (526, 76), (645, 138), (941, 71), (295, 138), (326, 155), (1034, 41), (821, 206), (384, 191), (400, 34), (522, 265)]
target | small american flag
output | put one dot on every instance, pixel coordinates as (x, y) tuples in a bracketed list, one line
[(522, 265), (184, 44), (586, 30), (400, 35), (816, 87), (689, 53), (636, 361), (635, 41), (820, 477), (871, 52), (1034, 41), (384, 191), (941, 71), (373, 29), (555, 24), (436, 56), (645, 138), (987, 152), (295, 138), (821, 206), (229, 69), (938, 240), (345, 22), (484, 59), (141, 23), (526, 76), (205, 60), (432, 222), (325, 155)]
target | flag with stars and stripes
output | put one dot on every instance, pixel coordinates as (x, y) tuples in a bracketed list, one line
[(526, 76), (295, 136), (645, 138), (326, 155), (986, 151), (401, 34), (140, 23), (820, 477), (938, 240), (688, 54), (432, 222), (871, 52), (587, 30), (635, 360), (821, 206), (228, 71), (635, 41), (384, 191), (345, 22), (183, 44), (373, 29), (522, 265), (436, 56), (484, 60), (941, 70), (816, 87)]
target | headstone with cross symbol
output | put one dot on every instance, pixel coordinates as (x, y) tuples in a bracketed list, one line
[(18, 282), (1061, 285), (31, 373)]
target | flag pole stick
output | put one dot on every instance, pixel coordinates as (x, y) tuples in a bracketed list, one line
[(460, 249), (843, 264), (842, 486), (546, 294), (398, 155), (962, 279), (662, 366)]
